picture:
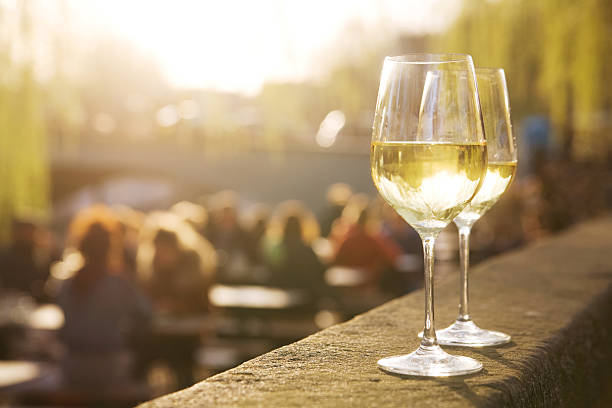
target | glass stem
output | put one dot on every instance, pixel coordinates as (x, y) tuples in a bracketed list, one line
[(464, 264), (429, 332)]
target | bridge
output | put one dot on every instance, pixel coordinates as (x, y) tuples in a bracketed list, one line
[(259, 176)]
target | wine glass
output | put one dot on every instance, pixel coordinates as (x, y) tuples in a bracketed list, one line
[(501, 167), (428, 157)]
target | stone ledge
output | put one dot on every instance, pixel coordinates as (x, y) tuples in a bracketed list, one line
[(554, 298)]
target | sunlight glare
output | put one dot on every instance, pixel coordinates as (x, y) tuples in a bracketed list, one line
[(237, 45)]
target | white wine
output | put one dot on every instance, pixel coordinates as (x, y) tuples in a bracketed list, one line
[(498, 178), (428, 184)]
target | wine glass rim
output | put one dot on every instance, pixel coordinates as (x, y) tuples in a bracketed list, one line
[(428, 58), (489, 70)]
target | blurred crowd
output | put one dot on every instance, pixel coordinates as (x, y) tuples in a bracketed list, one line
[(116, 271), (127, 282)]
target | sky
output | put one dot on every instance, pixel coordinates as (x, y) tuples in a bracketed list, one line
[(236, 45)]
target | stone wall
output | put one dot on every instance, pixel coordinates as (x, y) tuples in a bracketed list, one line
[(554, 298)]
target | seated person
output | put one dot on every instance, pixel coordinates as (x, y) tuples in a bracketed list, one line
[(176, 265), (361, 247), (102, 310), (288, 251), (177, 284), (23, 267)]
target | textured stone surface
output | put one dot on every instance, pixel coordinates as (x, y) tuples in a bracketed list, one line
[(554, 298)]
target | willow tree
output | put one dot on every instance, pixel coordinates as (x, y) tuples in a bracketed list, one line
[(557, 56), (24, 175)]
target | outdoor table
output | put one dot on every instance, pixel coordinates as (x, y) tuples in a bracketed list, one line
[(256, 297), (14, 373), (341, 276)]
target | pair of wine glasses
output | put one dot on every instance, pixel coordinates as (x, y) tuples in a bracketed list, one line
[(442, 151)]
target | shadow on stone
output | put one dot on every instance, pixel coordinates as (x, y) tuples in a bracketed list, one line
[(491, 353), (460, 387), (453, 384)]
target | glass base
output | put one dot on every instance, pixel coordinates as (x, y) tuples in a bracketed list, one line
[(430, 361), (467, 334)]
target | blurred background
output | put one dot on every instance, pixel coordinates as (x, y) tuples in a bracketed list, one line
[(185, 184)]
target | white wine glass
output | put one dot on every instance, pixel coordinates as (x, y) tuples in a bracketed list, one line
[(428, 157), (501, 167)]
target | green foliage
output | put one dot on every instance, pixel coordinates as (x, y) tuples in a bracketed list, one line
[(24, 190), (556, 54)]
